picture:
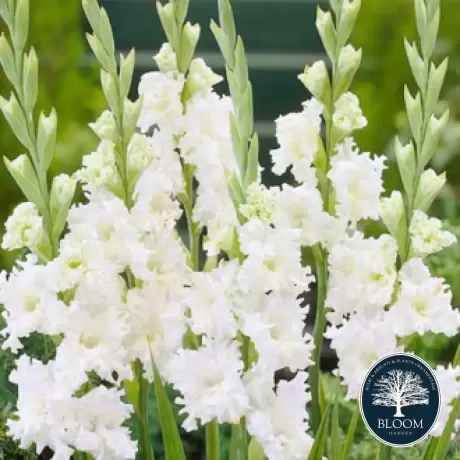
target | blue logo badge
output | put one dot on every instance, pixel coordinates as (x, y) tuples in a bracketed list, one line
[(400, 400)]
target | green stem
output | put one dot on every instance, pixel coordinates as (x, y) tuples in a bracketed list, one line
[(212, 441), (320, 325)]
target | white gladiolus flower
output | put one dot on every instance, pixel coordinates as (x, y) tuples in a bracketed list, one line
[(105, 126), (298, 138), (24, 228), (273, 259), (279, 421), (423, 304), (162, 104), (209, 380), (100, 168), (302, 208), (362, 275), (348, 116), (140, 153), (57, 419), (166, 59), (276, 326), (29, 298), (315, 78), (201, 77), (427, 236), (360, 343), (358, 183), (153, 326), (211, 302), (449, 385), (259, 203)]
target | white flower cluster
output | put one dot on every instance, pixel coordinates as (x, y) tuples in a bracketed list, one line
[(122, 284), (371, 305)]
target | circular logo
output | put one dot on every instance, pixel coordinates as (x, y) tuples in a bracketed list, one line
[(400, 400)]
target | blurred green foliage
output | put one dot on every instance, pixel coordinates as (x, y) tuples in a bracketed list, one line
[(56, 31)]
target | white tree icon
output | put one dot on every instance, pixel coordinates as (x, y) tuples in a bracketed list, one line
[(399, 389)]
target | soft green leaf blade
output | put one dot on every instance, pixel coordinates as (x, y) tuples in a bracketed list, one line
[(335, 432), (237, 442), (255, 451), (444, 440), (351, 433), (169, 431), (430, 449), (319, 445), (384, 452)]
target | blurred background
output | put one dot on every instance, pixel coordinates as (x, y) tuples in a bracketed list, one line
[(280, 38)]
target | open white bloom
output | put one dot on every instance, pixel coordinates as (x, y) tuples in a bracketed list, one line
[(24, 228), (162, 104), (209, 380), (57, 419), (358, 183), (279, 421), (359, 343), (427, 236), (298, 139), (362, 275), (449, 385), (105, 126), (273, 259), (30, 302), (93, 342), (259, 203), (201, 77), (348, 116), (211, 301), (423, 304), (100, 168), (302, 208), (140, 153), (276, 326), (155, 320)]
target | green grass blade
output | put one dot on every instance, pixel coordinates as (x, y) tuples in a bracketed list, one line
[(335, 432), (444, 440), (319, 445), (351, 433), (169, 431), (384, 452)]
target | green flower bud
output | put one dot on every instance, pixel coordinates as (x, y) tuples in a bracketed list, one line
[(348, 16), (23, 173), (405, 156), (189, 39), (16, 119), (132, 111), (326, 30), (348, 63), (433, 135), (30, 80), (429, 187), (316, 80), (20, 31), (393, 215), (435, 82), (168, 21), (414, 113), (46, 139), (107, 61), (126, 73), (416, 63), (62, 193), (7, 60), (109, 88)]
